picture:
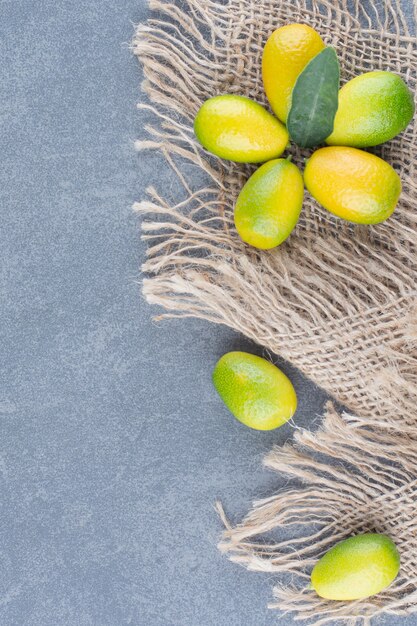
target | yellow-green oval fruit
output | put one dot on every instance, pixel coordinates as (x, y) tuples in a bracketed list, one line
[(254, 390), (269, 205), (353, 184), (286, 53), (373, 108), (239, 129), (358, 567)]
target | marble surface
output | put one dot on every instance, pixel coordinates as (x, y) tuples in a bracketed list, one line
[(113, 444)]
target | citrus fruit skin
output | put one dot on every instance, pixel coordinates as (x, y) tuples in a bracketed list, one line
[(239, 129), (257, 393), (373, 108), (269, 205), (358, 567), (286, 53), (353, 184)]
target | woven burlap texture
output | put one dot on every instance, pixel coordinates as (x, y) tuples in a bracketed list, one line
[(337, 300)]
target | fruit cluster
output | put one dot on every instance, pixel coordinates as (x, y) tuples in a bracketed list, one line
[(301, 80)]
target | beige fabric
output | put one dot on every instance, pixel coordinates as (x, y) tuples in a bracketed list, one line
[(337, 300)]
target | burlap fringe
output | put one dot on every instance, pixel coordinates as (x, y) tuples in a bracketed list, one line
[(348, 488), (337, 300)]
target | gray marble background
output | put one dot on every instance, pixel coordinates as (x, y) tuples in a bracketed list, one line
[(113, 443)]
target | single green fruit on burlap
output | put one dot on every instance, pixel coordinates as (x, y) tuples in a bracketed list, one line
[(257, 393), (269, 205), (356, 568), (238, 129), (373, 108)]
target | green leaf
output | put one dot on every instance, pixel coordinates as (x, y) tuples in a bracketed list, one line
[(314, 100)]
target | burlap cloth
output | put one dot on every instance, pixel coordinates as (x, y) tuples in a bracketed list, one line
[(337, 300)]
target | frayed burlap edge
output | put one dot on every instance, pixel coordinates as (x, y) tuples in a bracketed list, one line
[(347, 488), (337, 300)]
